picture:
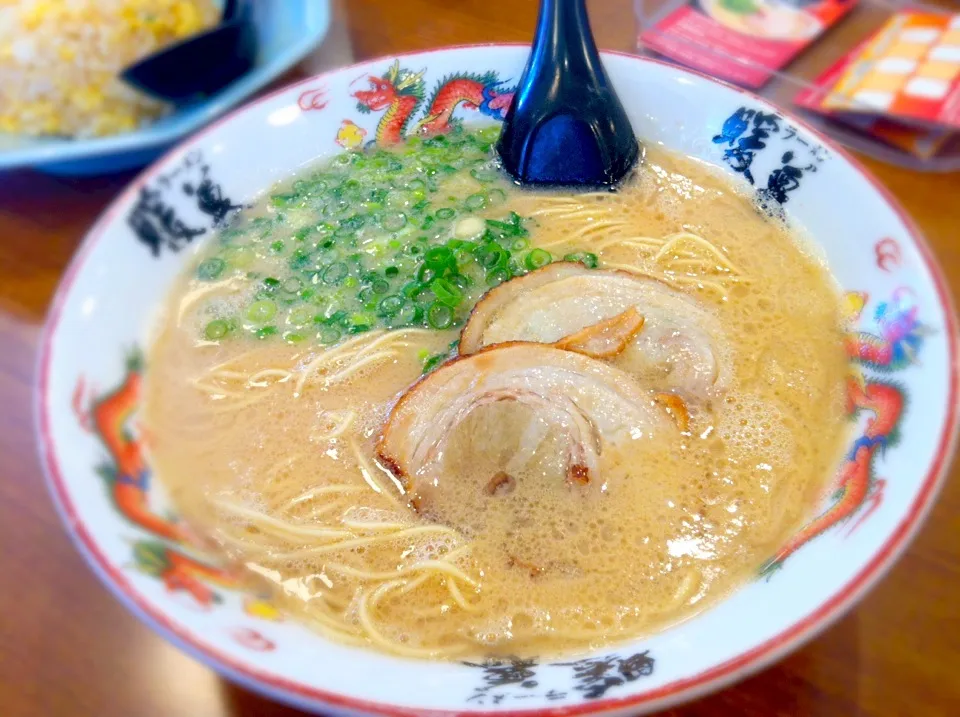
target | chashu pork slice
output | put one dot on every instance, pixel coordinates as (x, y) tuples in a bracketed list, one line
[(588, 402), (643, 326)]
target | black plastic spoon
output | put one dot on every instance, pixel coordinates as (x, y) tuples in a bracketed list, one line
[(566, 126), (200, 65)]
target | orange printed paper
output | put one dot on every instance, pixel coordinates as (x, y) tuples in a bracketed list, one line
[(909, 70)]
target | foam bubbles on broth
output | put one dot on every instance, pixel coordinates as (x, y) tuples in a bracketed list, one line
[(542, 568)]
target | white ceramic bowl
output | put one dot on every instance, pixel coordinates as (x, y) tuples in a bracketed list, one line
[(88, 391)]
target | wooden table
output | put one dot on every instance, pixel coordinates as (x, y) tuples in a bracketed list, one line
[(68, 648)]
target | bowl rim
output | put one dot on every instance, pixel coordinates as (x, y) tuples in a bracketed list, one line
[(709, 680)]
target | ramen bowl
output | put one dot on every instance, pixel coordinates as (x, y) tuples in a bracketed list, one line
[(98, 462)]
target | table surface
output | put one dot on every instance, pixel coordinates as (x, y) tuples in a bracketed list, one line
[(68, 648)]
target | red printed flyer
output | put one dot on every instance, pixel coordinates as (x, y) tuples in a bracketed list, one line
[(742, 41)]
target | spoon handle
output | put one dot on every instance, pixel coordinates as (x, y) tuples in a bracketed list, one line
[(566, 124)]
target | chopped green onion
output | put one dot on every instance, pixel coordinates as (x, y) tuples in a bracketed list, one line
[(586, 258), (299, 259), (391, 305), (211, 269), (242, 258), (497, 276), (216, 329), (537, 258), (360, 323), (393, 222), (439, 316), (511, 228), (409, 314), (425, 274), (411, 289), (460, 281), (329, 335), (375, 239), (439, 258), (292, 284), (432, 362), (283, 200), (260, 312), (365, 294), (484, 176), (496, 196), (446, 292), (335, 273), (338, 318), (300, 316), (492, 256), (228, 235)]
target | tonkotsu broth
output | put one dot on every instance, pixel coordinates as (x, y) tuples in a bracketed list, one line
[(267, 444)]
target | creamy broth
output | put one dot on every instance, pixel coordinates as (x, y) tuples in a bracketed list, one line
[(268, 440)]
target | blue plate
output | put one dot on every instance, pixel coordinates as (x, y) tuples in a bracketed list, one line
[(288, 30)]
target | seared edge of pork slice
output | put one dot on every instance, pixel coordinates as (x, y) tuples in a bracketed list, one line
[(605, 339)]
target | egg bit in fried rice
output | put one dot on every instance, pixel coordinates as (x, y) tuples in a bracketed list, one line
[(60, 61)]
